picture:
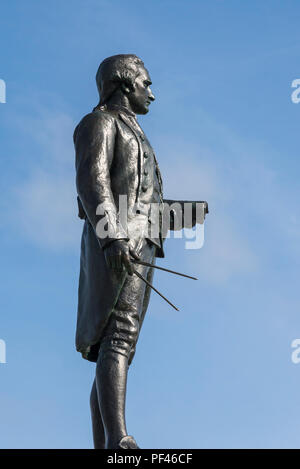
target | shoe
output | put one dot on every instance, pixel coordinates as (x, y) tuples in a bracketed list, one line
[(127, 442)]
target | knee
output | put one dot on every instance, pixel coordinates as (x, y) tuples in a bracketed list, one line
[(120, 346), (121, 334)]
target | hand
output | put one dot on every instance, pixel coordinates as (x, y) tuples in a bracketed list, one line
[(206, 209), (194, 211), (117, 256)]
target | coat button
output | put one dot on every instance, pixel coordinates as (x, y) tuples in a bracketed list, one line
[(146, 172), (146, 154), (144, 187), (142, 138)]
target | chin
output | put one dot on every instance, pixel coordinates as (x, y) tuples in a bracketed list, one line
[(145, 110), (142, 110)]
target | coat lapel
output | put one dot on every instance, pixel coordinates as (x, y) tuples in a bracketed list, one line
[(134, 128)]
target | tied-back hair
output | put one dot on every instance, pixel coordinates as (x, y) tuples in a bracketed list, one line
[(113, 71)]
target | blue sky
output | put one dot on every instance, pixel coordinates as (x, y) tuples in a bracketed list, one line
[(218, 373)]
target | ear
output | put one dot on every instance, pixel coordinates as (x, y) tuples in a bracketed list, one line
[(126, 88)]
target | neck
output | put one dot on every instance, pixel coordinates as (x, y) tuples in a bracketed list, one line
[(120, 100)]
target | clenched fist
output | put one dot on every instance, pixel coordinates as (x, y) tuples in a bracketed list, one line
[(117, 255)]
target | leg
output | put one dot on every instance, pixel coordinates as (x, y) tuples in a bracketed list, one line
[(111, 374), (144, 307), (118, 341), (98, 429), (119, 338)]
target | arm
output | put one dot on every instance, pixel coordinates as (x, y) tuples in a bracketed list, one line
[(94, 141), (178, 214)]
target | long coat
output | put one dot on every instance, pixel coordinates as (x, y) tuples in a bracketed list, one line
[(110, 149), (111, 154)]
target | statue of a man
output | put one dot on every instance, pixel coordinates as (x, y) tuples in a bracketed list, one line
[(114, 159)]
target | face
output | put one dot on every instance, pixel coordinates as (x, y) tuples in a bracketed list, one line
[(141, 97)]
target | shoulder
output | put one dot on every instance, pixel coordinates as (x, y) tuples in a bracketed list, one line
[(95, 122)]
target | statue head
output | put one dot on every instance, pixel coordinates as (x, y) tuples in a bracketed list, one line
[(123, 79)]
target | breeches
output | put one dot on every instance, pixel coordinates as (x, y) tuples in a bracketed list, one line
[(125, 322)]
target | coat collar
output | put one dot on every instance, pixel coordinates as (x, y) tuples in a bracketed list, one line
[(131, 122), (122, 109)]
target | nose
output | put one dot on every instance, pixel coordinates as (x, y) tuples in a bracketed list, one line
[(151, 95)]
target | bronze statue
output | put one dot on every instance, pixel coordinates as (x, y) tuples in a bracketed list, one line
[(114, 159)]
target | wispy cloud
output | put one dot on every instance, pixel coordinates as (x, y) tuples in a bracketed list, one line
[(45, 200), (248, 201), (226, 251)]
